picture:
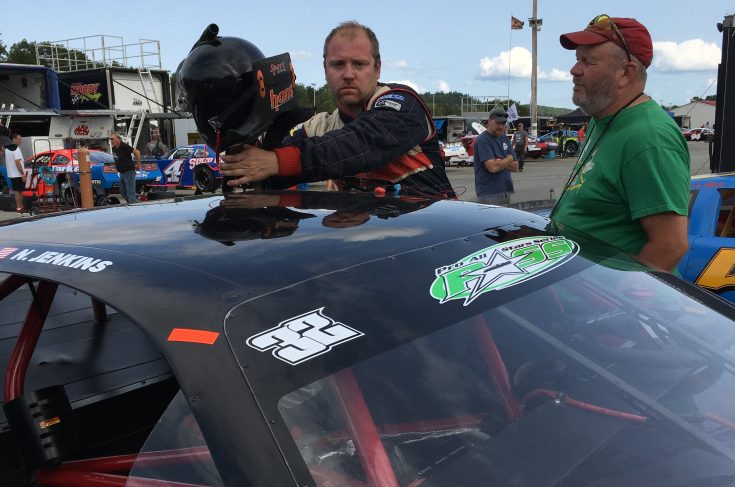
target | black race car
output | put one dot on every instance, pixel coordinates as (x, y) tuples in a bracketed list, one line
[(334, 339)]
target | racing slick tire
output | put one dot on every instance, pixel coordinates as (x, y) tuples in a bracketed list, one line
[(67, 194), (160, 195), (570, 148), (204, 179), (101, 200)]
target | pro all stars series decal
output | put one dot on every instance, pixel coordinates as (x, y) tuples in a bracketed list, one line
[(500, 266)]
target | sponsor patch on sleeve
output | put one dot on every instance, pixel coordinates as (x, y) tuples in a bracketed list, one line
[(382, 102)]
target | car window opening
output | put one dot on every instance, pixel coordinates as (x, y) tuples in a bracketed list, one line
[(75, 438)]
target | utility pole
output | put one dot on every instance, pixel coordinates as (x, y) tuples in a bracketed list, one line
[(535, 24)]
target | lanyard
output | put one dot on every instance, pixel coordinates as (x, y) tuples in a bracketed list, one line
[(587, 152)]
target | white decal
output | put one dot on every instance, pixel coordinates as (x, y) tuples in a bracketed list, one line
[(173, 171), (199, 160), (303, 337), (388, 103), (31, 179), (66, 260)]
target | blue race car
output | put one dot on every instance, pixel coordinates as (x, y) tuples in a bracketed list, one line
[(190, 166), (105, 179), (710, 259)]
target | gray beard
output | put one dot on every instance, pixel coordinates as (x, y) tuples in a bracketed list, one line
[(596, 100)]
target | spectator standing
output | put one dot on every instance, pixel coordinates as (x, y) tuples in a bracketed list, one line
[(380, 134), (630, 186), (520, 145), (125, 167), (494, 160), (580, 137), (561, 139), (156, 147), (15, 169)]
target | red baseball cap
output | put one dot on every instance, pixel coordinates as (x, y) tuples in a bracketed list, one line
[(636, 36)]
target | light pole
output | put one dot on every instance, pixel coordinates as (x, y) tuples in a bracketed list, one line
[(535, 24), (313, 89)]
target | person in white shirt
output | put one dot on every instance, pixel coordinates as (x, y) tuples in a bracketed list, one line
[(16, 172)]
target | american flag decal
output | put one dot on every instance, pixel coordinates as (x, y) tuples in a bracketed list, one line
[(6, 251)]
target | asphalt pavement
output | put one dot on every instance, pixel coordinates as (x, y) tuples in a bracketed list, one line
[(541, 179)]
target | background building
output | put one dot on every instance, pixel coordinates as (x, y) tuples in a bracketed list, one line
[(699, 113)]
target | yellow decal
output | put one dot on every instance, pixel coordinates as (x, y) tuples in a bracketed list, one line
[(50, 422), (719, 271)]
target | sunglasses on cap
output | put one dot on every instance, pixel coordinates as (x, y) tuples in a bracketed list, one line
[(606, 23)]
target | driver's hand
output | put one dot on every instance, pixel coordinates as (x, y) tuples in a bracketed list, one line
[(250, 165)]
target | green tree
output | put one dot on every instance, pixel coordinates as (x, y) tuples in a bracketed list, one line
[(3, 52), (307, 94), (22, 52)]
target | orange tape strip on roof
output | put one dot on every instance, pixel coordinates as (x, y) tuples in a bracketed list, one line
[(193, 336)]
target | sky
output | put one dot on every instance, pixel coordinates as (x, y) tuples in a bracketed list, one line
[(433, 46)]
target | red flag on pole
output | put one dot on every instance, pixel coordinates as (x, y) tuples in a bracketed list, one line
[(515, 23)]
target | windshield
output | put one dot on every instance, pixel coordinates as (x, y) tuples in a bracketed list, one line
[(601, 377)]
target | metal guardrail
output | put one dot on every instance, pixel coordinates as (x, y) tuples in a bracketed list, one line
[(98, 51)]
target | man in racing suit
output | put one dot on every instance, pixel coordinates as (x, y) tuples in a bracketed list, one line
[(380, 135)]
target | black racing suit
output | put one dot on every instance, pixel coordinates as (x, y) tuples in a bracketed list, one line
[(392, 141)]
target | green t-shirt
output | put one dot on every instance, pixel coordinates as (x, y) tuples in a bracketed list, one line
[(638, 166)]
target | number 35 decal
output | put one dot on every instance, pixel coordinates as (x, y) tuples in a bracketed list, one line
[(719, 273), (303, 337)]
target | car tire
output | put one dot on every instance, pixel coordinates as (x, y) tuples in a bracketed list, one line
[(113, 200), (67, 194), (570, 148), (101, 200), (204, 179), (34, 210), (160, 195)]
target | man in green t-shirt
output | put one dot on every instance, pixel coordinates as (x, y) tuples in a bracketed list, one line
[(630, 186)]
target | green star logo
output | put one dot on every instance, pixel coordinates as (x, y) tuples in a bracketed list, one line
[(500, 266)]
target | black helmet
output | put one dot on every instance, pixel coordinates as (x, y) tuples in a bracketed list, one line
[(225, 85)]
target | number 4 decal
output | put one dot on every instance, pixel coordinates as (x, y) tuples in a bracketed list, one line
[(719, 272), (173, 171)]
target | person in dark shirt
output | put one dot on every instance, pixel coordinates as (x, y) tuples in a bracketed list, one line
[(494, 161), (156, 147), (125, 166), (380, 134)]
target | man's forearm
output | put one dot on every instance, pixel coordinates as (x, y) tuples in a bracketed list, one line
[(662, 255), (667, 240), (497, 165)]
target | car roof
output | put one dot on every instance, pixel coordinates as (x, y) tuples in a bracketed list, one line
[(226, 244), (724, 177)]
